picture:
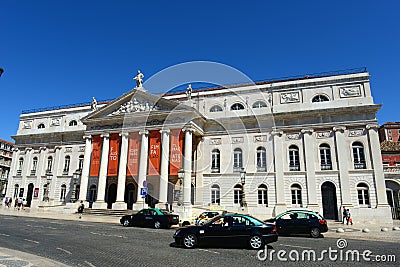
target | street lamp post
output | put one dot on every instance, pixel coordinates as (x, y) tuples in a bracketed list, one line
[(75, 178), (243, 181), (181, 174), (46, 193)]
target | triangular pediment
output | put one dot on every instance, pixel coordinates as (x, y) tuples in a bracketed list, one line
[(137, 102)]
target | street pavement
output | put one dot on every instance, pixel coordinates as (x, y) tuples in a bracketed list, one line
[(13, 257)]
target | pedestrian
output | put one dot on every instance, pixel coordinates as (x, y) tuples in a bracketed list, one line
[(6, 202), (24, 203), (344, 214), (80, 209), (16, 204), (348, 217), (9, 202), (20, 203)]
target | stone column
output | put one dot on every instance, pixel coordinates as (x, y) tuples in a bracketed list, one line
[(25, 169), (144, 148), (41, 172), (85, 169), (100, 202), (342, 155), (279, 158), (56, 171), (309, 160), (165, 134), (376, 159), (123, 160), (187, 166), (12, 173)]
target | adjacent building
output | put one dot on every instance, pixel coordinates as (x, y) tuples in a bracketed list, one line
[(6, 152), (309, 142), (389, 134)]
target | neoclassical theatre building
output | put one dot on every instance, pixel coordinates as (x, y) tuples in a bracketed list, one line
[(262, 148)]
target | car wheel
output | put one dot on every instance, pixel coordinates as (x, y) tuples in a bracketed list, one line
[(157, 225), (125, 223), (256, 242), (315, 232), (190, 241)]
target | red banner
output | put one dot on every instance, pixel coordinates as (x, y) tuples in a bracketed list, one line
[(96, 153), (133, 154), (113, 155), (154, 153), (176, 157)]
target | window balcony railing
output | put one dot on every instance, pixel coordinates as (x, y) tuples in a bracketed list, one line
[(326, 167), (215, 170), (19, 172), (359, 165), (48, 172), (261, 168), (33, 172), (236, 169), (294, 168)]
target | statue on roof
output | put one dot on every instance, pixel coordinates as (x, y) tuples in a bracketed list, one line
[(189, 92), (139, 79), (93, 105)]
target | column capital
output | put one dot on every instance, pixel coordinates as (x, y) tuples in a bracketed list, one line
[(339, 129), (42, 148), (144, 132), (372, 126), (307, 131), (57, 147), (15, 149), (166, 131), (276, 133), (124, 134), (28, 149), (105, 135), (87, 137)]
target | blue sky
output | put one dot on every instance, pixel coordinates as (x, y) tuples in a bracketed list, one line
[(64, 52)]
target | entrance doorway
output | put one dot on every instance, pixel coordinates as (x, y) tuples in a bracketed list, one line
[(111, 195), (29, 195), (92, 195), (130, 195), (329, 201), (150, 199)]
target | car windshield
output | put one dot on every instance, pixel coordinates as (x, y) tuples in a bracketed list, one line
[(165, 212)]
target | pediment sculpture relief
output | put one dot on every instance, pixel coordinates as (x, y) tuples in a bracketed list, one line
[(135, 105)]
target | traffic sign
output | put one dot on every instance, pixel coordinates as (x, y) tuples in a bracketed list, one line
[(143, 191)]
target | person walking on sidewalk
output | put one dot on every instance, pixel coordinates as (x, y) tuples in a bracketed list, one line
[(344, 214), (348, 217), (81, 208)]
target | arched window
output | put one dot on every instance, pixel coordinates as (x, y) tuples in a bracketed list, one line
[(296, 194), (325, 156), (215, 161), (263, 195), (67, 162), (363, 194), (34, 165), (320, 98), (237, 160), (259, 104), (73, 123), (237, 106), (16, 190), (49, 164), (80, 163), (261, 159), (215, 195), (237, 194), (63, 192), (215, 108), (20, 166), (41, 126), (294, 158), (358, 156)]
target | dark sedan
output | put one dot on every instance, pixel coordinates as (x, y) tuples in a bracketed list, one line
[(233, 229), (155, 218), (300, 222)]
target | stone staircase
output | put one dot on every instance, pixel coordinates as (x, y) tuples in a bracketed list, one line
[(108, 212)]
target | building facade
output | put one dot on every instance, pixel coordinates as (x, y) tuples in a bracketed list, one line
[(260, 148), (389, 134), (6, 151)]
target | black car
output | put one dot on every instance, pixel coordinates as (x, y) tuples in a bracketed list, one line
[(233, 229), (150, 218), (300, 222)]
